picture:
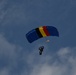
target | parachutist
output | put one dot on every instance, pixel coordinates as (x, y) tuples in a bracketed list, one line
[(41, 50)]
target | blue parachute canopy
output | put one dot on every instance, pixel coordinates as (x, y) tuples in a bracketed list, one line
[(41, 32)]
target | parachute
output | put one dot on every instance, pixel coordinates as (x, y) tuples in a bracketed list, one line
[(40, 32)]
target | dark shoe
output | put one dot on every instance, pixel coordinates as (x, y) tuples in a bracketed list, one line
[(40, 53)]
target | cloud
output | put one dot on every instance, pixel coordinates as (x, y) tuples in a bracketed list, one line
[(4, 71), (10, 13), (63, 63), (6, 48), (3, 9), (9, 56)]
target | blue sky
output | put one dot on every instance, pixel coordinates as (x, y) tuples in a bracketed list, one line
[(18, 56)]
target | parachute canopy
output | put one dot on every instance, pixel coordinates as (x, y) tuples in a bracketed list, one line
[(41, 32)]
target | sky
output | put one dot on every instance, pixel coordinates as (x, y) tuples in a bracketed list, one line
[(18, 56)]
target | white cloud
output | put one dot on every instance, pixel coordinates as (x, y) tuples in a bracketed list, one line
[(3, 12), (12, 13), (64, 51), (4, 71), (15, 15), (7, 49), (64, 63), (9, 56)]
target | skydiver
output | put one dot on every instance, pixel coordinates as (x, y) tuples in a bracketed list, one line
[(41, 50)]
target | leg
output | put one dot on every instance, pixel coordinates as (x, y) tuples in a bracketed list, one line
[(40, 52)]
